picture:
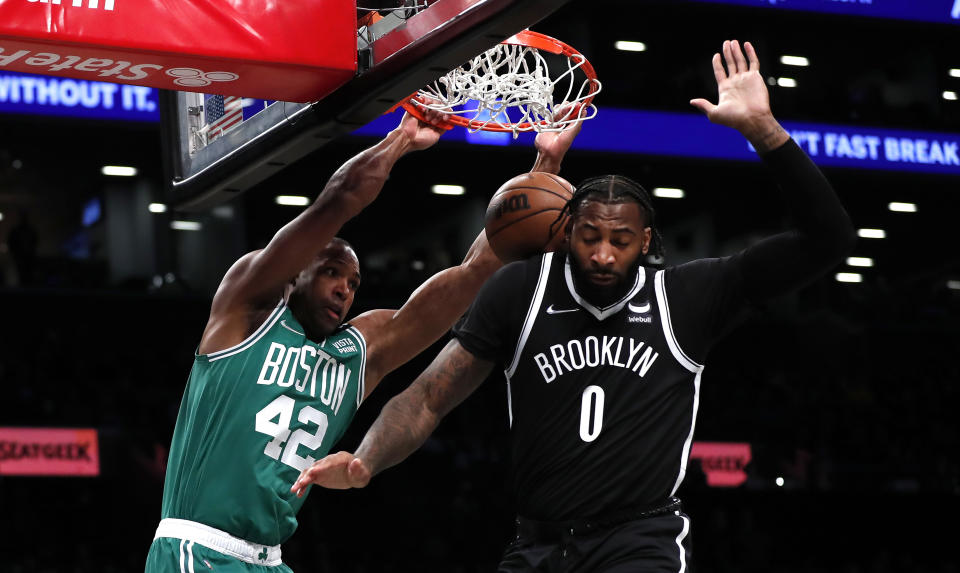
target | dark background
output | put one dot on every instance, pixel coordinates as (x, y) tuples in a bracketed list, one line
[(847, 391)]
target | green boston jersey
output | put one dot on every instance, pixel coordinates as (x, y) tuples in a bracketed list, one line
[(252, 417)]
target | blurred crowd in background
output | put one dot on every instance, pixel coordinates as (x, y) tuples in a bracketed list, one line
[(848, 399)]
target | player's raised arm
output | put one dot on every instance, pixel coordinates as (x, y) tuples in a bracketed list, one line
[(351, 188), (404, 423), (552, 146), (257, 279), (822, 233), (398, 336)]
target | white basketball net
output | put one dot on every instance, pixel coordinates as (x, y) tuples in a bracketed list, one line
[(509, 86)]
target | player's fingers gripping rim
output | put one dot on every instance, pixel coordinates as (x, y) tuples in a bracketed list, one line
[(433, 116)]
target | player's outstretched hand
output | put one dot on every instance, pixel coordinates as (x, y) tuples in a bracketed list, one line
[(341, 470), (743, 103), (742, 92)]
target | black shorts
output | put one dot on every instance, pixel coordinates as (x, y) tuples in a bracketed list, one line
[(658, 543)]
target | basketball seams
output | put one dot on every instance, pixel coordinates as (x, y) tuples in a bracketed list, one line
[(561, 182), (525, 217), (529, 206), (530, 187)]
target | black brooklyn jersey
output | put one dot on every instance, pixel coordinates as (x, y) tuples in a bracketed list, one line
[(602, 401)]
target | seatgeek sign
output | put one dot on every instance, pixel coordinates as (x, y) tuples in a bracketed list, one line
[(65, 97), (692, 135), (941, 11), (723, 463), (49, 452)]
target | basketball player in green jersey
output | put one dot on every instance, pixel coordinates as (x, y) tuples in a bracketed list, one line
[(278, 376)]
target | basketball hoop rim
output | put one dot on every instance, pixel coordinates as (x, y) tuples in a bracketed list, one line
[(530, 39)]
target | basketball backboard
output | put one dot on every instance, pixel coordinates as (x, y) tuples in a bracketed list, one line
[(219, 146)]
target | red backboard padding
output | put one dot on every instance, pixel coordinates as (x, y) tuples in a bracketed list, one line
[(290, 50)]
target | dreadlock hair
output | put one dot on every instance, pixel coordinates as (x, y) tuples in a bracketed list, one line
[(611, 189)]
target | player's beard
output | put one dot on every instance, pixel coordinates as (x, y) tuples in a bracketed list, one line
[(602, 295)]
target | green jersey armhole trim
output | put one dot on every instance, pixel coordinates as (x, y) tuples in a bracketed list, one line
[(250, 340), (361, 379)]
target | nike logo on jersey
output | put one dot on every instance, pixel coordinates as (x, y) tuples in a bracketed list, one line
[(283, 323), (639, 309), (551, 310)]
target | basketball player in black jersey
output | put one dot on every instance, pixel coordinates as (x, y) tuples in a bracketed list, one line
[(603, 356)]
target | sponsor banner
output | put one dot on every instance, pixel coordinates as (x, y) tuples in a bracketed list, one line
[(49, 452), (722, 462), (295, 51), (43, 95), (692, 135), (942, 11)]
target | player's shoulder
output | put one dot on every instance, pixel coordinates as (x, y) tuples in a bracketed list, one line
[(520, 272), (704, 266), (515, 281), (346, 341), (700, 276), (230, 292)]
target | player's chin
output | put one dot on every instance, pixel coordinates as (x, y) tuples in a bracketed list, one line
[(326, 324), (604, 280)]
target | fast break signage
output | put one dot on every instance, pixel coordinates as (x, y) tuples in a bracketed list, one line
[(692, 135), (49, 452)]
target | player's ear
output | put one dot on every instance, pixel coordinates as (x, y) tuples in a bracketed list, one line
[(646, 237)]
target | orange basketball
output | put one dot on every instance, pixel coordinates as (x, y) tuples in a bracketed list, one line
[(522, 217)]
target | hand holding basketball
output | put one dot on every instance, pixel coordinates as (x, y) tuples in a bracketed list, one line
[(526, 216)]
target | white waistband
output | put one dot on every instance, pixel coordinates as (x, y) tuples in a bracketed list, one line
[(221, 541)]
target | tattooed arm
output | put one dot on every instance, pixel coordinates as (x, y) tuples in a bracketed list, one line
[(405, 422)]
